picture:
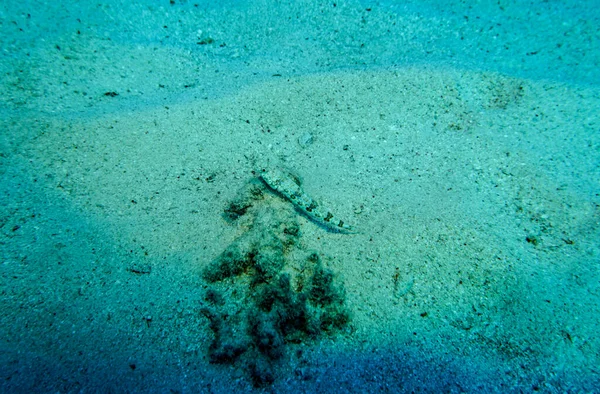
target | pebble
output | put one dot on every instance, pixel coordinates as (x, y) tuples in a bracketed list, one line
[(306, 139)]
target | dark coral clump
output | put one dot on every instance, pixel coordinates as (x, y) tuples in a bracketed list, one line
[(257, 326), (232, 262), (255, 307), (225, 347), (247, 197)]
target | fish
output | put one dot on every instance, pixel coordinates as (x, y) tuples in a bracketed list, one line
[(289, 186)]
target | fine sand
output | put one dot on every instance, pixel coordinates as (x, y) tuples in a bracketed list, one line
[(463, 144)]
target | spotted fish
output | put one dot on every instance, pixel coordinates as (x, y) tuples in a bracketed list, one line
[(289, 187)]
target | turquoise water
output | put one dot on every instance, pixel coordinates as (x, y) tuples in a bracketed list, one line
[(142, 250)]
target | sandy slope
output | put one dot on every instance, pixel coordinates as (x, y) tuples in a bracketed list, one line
[(474, 189)]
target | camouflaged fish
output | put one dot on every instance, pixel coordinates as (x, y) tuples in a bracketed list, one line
[(289, 187)]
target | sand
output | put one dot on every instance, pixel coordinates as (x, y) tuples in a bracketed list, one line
[(461, 142)]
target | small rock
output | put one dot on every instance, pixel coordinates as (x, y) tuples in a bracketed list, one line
[(306, 139)]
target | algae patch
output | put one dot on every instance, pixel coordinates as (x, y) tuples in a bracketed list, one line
[(264, 293)]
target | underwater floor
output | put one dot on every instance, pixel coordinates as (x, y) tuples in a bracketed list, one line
[(300, 196)]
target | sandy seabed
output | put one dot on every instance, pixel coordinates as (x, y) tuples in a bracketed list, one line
[(462, 144)]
